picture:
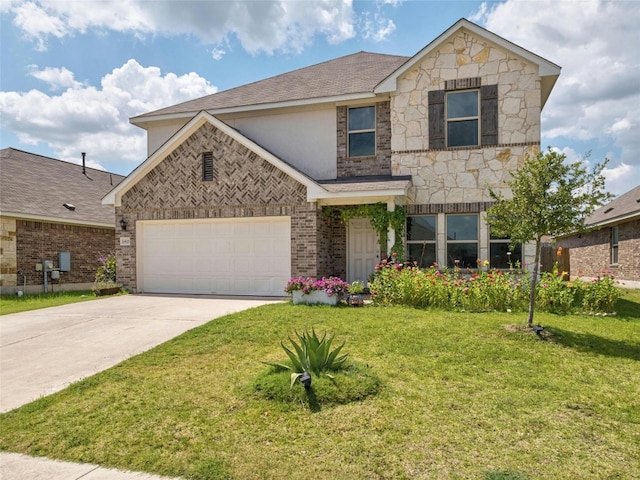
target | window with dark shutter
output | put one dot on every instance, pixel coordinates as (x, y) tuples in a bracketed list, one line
[(207, 167), (438, 114), (436, 119), (489, 114)]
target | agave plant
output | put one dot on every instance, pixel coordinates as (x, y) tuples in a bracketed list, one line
[(312, 354)]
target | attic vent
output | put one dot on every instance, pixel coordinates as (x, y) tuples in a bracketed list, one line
[(69, 206), (207, 167), (608, 210)]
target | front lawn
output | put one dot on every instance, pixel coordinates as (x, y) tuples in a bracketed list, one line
[(463, 396), (35, 301)]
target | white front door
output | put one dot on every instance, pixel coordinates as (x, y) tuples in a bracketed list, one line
[(363, 250)]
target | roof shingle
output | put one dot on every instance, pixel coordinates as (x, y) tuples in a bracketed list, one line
[(626, 204), (39, 186), (351, 74)]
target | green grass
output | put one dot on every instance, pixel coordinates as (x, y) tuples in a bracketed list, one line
[(461, 396), (35, 301)]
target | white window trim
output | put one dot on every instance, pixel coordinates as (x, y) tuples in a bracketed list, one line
[(366, 130), (615, 246), (460, 119)]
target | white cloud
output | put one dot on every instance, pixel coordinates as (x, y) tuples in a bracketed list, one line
[(264, 26), (377, 28), (218, 53), (57, 78), (96, 120), (596, 44)]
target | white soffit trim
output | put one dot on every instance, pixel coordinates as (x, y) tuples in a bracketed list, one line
[(143, 120), (70, 221), (114, 197), (546, 68), (357, 197)]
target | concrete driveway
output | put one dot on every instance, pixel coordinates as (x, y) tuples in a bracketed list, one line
[(43, 351)]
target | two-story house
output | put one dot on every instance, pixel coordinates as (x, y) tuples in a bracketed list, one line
[(243, 189)]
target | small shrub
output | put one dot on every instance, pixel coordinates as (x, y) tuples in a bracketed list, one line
[(600, 295), (312, 354), (106, 272)]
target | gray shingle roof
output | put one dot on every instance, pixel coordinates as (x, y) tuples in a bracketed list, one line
[(351, 74), (366, 184), (38, 186), (627, 204)]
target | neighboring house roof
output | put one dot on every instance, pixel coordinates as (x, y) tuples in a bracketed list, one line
[(625, 207), (372, 190), (548, 71), (354, 74), (37, 187)]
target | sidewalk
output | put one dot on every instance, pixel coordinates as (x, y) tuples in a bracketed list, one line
[(14, 466)]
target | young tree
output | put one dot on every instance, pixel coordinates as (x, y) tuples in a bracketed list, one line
[(549, 197)]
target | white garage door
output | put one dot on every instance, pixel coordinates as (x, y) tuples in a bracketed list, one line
[(216, 256)]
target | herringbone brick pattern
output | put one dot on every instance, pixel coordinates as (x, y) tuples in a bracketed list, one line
[(240, 178)]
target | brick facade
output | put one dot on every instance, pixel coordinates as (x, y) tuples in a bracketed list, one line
[(590, 253), (37, 241), (380, 164), (244, 185)]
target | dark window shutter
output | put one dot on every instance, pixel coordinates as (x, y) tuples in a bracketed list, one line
[(489, 114), (436, 119), (207, 167)]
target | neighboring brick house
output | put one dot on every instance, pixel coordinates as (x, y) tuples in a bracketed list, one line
[(612, 244), (35, 225), (242, 189)]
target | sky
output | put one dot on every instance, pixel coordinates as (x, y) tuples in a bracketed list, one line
[(72, 73)]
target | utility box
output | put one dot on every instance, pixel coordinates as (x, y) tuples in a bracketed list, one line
[(55, 274), (64, 261), (48, 265)]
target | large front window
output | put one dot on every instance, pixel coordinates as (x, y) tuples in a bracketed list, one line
[(463, 126), (362, 131), (421, 239), (462, 240)]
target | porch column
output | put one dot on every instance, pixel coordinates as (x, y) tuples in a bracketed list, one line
[(391, 233)]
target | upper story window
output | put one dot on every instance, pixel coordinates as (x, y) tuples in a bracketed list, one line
[(463, 122), (207, 167), (362, 131), (465, 113)]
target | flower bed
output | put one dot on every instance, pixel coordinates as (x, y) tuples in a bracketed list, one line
[(311, 290), (478, 290)]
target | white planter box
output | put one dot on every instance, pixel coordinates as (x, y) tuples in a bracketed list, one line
[(313, 297)]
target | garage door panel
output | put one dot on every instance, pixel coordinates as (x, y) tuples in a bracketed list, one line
[(216, 256)]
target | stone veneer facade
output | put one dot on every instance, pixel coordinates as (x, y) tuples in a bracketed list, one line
[(8, 258), (244, 185), (463, 174), (456, 180), (590, 253)]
